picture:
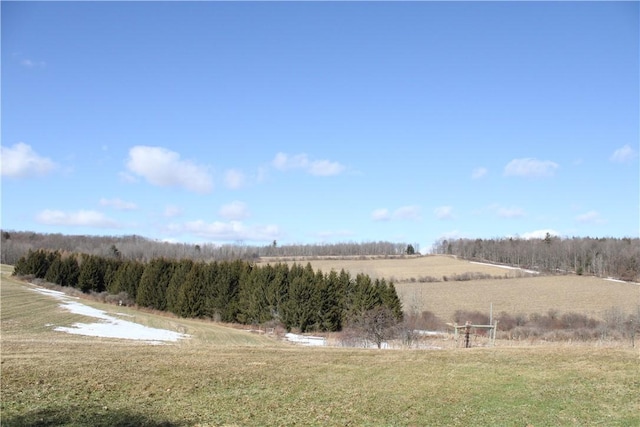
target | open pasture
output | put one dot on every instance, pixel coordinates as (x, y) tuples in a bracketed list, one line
[(222, 376), (514, 292), (402, 269), (591, 296)]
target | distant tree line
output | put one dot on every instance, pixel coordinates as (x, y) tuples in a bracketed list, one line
[(229, 291), (15, 244), (603, 257)]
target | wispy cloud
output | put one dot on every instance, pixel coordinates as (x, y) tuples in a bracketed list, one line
[(234, 211), (231, 231), (478, 173), (164, 168), (624, 154), (172, 211), (591, 217), (118, 204), (443, 212), (21, 161), (234, 179), (530, 168), (81, 218), (381, 215), (29, 63), (285, 162), (511, 212), (408, 213)]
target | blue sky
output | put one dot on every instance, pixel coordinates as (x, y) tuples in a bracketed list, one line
[(321, 122)]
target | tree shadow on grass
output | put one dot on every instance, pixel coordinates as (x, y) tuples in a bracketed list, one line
[(84, 417)]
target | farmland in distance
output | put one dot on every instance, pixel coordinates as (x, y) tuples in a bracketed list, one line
[(421, 286)]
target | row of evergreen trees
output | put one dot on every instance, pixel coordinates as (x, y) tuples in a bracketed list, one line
[(227, 291)]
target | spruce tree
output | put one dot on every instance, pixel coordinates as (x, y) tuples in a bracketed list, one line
[(178, 280), (70, 271), (91, 276), (153, 284)]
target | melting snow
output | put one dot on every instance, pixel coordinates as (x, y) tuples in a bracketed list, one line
[(109, 326), (508, 267), (305, 340)]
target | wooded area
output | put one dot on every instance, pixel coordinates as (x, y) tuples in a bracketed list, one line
[(17, 243), (229, 291), (602, 257)]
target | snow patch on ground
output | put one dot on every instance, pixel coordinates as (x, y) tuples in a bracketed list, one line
[(109, 326), (611, 279), (508, 267), (306, 340)]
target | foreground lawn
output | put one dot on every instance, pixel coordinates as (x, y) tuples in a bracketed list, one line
[(51, 378)]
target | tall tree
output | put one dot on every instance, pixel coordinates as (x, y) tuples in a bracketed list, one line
[(153, 284), (91, 276)]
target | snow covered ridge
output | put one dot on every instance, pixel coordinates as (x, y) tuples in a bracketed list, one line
[(109, 326)]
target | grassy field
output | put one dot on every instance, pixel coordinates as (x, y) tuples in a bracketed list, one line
[(402, 269), (515, 295), (585, 295), (227, 377)]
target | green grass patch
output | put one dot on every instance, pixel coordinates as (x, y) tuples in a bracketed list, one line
[(226, 377)]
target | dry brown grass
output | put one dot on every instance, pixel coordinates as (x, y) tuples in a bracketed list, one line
[(402, 269), (585, 295), (51, 378)]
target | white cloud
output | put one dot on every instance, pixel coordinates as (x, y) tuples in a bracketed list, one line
[(478, 173), (531, 168), (539, 234), (325, 168), (623, 154), (407, 213), (402, 213), (443, 212), (285, 162), (381, 215), (512, 212), (21, 161), (82, 218), (234, 211), (171, 211), (118, 204), (234, 179), (164, 168), (28, 63), (227, 231), (591, 217)]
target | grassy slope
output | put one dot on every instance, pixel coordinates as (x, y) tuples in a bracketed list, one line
[(49, 378)]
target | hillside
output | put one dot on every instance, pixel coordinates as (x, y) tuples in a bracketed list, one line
[(511, 290), (222, 376), (400, 269)]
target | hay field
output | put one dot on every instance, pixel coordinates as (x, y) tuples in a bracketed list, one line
[(591, 296), (402, 269), (51, 378), (513, 293)]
